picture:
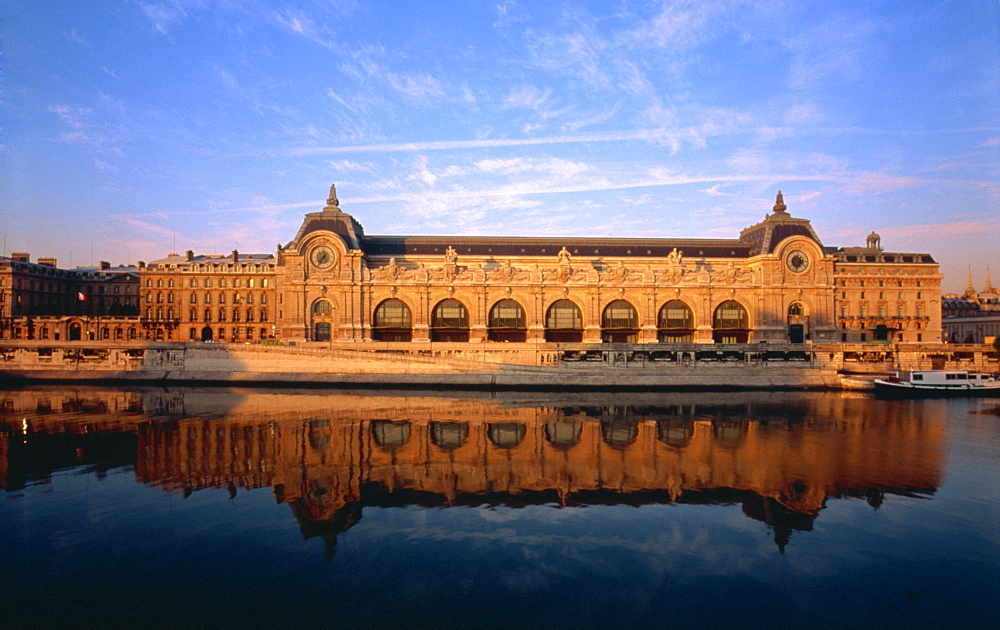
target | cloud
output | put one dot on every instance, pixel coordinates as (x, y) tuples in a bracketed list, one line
[(417, 86), (715, 192), (879, 183), (164, 15), (528, 97), (349, 165), (76, 37)]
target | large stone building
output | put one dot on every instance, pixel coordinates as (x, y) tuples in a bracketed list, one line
[(41, 301), (202, 298), (775, 282)]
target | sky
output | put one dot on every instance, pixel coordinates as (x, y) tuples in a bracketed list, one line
[(136, 128)]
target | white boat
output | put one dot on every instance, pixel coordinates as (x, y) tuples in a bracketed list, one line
[(940, 383)]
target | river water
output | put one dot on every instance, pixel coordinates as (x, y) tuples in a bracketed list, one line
[(256, 508)]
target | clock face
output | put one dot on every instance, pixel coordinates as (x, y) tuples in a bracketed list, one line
[(797, 261), (322, 257)]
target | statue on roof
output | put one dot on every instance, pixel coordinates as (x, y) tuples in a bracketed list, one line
[(332, 199), (564, 256), (779, 203), (450, 256)]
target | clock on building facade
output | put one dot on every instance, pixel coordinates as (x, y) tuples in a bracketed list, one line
[(322, 257), (797, 261)]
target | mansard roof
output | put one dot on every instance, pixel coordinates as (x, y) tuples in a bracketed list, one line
[(487, 246)]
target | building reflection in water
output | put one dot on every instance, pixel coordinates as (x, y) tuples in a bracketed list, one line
[(778, 456)]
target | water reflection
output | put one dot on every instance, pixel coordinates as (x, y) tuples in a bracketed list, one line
[(328, 456)]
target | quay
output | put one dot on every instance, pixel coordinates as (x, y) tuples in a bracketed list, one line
[(512, 366)]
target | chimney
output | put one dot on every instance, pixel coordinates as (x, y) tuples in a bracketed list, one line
[(105, 265), (21, 256), (48, 262), (142, 264), (190, 255), (236, 256)]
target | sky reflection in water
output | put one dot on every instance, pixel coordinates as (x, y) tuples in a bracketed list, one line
[(270, 507)]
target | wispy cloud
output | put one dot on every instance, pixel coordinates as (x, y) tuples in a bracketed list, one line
[(164, 15)]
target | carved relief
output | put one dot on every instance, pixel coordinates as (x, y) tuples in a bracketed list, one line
[(507, 273)]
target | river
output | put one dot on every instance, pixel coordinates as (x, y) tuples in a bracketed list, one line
[(207, 507)]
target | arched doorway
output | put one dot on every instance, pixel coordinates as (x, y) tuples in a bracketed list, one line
[(206, 333), (675, 323), (507, 323), (730, 323), (797, 323), (620, 323), (322, 314), (392, 321), (564, 323), (450, 321), (74, 332)]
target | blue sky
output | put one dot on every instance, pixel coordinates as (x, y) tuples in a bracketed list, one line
[(135, 128)]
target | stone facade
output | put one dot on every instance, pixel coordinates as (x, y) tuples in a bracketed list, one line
[(41, 301), (775, 283), (209, 298)]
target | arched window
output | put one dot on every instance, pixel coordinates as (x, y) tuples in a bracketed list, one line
[(507, 322), (449, 435), (676, 433), (208, 314), (391, 434), (730, 323), (620, 323), (563, 323), (563, 434), (193, 315), (450, 321), (619, 433), (322, 307), (391, 321), (795, 309), (506, 434), (675, 323)]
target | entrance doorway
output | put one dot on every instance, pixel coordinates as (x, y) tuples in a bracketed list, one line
[(74, 332), (206, 333), (796, 333), (321, 331)]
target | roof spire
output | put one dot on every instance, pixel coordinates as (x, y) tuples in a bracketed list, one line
[(332, 203), (970, 289), (989, 285), (779, 203)]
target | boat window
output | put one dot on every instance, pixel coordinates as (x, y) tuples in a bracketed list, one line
[(918, 377)]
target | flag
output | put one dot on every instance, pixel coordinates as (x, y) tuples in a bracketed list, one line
[(80, 295)]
